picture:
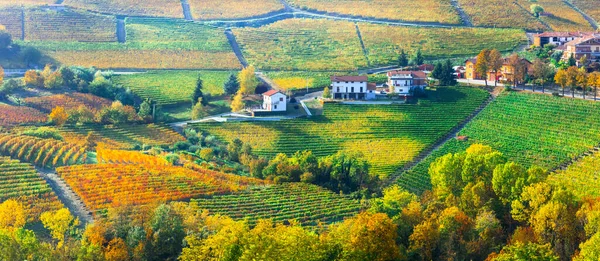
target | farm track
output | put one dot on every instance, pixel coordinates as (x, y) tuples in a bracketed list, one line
[(362, 44), (121, 31), (67, 197), (236, 47), (451, 135), (463, 16), (590, 20), (187, 13)]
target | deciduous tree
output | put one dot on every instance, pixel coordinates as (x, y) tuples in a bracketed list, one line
[(238, 103), (482, 66), (248, 80), (58, 116), (12, 215), (572, 73), (326, 93), (60, 223), (33, 79), (561, 79), (495, 63)]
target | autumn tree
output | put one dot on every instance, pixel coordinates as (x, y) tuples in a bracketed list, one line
[(12, 215), (519, 68), (572, 73), (198, 110), (1, 75), (590, 249), (561, 79), (536, 9), (529, 251), (326, 93), (393, 201), (33, 79), (248, 80), (54, 80), (582, 80), (495, 63), (238, 103), (482, 66), (425, 239), (60, 223), (58, 116), (542, 72), (116, 250), (594, 82)]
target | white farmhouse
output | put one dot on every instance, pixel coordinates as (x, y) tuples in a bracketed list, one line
[(350, 87), (274, 100), (403, 82)]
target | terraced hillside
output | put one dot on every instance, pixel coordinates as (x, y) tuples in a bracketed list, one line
[(310, 205), (387, 135), (500, 13), (69, 26), (582, 177), (560, 16), (232, 9), (303, 44), (433, 11), (163, 8), (70, 101), (530, 129), (42, 152), (152, 44), (20, 115), (10, 18), (173, 87), (590, 7), (384, 43), (21, 182)]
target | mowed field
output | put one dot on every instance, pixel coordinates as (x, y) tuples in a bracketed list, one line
[(173, 87), (530, 129), (232, 9), (164, 8), (151, 44), (388, 136), (433, 11)]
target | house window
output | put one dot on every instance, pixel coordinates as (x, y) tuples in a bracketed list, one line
[(338, 89), (281, 99), (555, 39), (275, 107), (352, 89), (361, 89)]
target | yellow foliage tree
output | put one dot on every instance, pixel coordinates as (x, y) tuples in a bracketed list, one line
[(248, 81), (12, 215), (116, 250), (47, 71), (237, 104), (60, 223), (560, 78), (94, 234), (33, 79), (58, 116), (1, 74)]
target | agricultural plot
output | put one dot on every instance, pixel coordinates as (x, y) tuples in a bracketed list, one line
[(314, 80), (310, 205), (21, 182), (173, 87), (70, 101), (102, 186), (4, 3), (10, 18), (48, 25), (432, 11), (500, 13), (152, 44), (388, 136), (530, 129), (561, 17), (590, 7), (128, 157), (581, 177), (162, 8), (20, 115), (384, 43), (42, 152), (303, 44), (232, 9), (123, 136)]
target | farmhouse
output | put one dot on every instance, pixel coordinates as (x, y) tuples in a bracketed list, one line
[(404, 82), (506, 73), (275, 101), (556, 38), (588, 47), (352, 88)]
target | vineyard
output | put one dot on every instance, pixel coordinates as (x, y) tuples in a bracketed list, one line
[(42, 152), (10, 18), (590, 7), (308, 204), (68, 101), (21, 182), (500, 13), (581, 177), (19, 115), (123, 136), (303, 44), (166, 8), (173, 87), (435, 11), (127, 157), (384, 43), (300, 80), (69, 26), (4, 3), (529, 129), (562, 17), (103, 186), (388, 136), (232, 9)]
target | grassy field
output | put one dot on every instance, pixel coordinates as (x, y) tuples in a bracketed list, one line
[(303, 44), (151, 44), (388, 136), (590, 7), (310, 205), (500, 13), (69, 26), (384, 43), (173, 87), (530, 129), (582, 177), (435, 11), (164, 8), (232, 9)]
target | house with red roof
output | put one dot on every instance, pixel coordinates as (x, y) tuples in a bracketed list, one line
[(352, 88), (556, 38), (403, 83), (274, 101), (588, 47)]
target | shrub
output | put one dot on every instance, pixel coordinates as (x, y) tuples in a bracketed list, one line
[(44, 133)]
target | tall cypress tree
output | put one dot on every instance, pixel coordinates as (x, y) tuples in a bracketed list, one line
[(232, 85), (402, 59), (198, 93)]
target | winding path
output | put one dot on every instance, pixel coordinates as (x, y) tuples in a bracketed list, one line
[(67, 196), (463, 16), (236, 47)]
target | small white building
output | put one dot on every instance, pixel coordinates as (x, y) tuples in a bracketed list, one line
[(351, 88), (274, 100), (403, 82)]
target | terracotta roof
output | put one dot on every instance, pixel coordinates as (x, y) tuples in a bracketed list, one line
[(271, 93), (561, 34), (416, 74), (372, 86), (582, 40), (349, 78), (474, 60)]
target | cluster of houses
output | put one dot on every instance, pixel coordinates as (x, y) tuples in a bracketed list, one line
[(399, 83), (577, 45)]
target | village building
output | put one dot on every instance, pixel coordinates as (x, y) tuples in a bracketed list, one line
[(350, 87), (274, 101), (556, 38), (588, 47), (404, 82), (506, 73)]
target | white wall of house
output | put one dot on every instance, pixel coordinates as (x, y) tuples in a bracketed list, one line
[(349, 87), (275, 102)]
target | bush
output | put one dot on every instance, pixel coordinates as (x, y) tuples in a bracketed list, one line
[(556, 94), (181, 145), (44, 133), (9, 86), (172, 158)]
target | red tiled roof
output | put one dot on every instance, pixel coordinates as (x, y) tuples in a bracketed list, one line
[(416, 74), (560, 34), (506, 59), (349, 78), (582, 40), (371, 86), (271, 93)]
